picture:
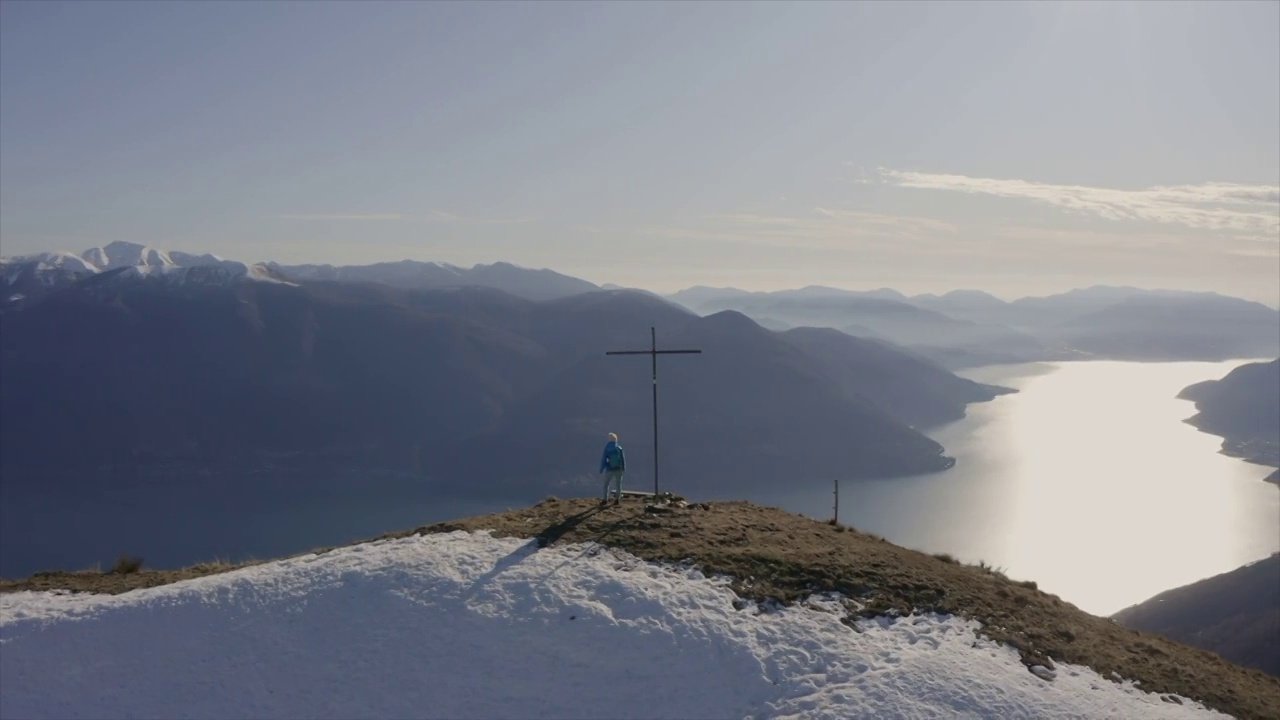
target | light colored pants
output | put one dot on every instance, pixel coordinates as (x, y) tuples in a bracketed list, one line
[(612, 477)]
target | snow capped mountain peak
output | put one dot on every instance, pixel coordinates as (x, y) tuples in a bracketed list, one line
[(33, 273), (120, 254), (59, 261), (126, 254), (222, 272), (26, 275)]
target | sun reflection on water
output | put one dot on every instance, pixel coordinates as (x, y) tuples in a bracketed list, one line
[(1087, 481)]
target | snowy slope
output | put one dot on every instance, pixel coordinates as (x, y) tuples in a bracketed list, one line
[(133, 262), (220, 273), (50, 266), (403, 271), (465, 625), (126, 254)]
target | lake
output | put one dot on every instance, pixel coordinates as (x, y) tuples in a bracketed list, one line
[(1087, 481)]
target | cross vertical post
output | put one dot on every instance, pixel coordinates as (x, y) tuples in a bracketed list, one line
[(653, 352), (653, 355)]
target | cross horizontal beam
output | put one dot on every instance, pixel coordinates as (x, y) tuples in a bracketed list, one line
[(652, 352)]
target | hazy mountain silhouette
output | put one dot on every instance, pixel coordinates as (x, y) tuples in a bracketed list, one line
[(1153, 326), (754, 408), (1235, 614), (1127, 322), (884, 314), (699, 295), (972, 305), (225, 373), (116, 373), (966, 328), (912, 388), (1244, 409), (532, 284), (1048, 310)]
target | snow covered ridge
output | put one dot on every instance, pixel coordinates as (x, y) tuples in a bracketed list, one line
[(221, 273), (47, 268), (134, 261), (464, 625)]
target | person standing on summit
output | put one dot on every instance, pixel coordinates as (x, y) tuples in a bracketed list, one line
[(613, 463)]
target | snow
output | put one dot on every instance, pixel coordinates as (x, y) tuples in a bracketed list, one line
[(141, 261), (464, 625), (261, 273), (50, 264), (189, 259), (220, 273), (126, 254)]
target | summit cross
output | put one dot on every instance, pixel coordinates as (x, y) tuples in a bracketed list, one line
[(654, 352)]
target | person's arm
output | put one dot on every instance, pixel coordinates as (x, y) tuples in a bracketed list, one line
[(622, 457)]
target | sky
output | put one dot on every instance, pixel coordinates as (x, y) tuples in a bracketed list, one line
[(1019, 148)]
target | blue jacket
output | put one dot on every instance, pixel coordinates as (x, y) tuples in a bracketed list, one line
[(604, 457)]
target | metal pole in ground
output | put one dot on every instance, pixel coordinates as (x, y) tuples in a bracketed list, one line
[(653, 340)]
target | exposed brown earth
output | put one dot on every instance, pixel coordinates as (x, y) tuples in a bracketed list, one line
[(113, 583), (773, 554)]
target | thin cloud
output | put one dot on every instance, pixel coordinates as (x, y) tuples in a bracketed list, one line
[(433, 215), (1251, 211), (388, 216), (444, 216), (822, 228)]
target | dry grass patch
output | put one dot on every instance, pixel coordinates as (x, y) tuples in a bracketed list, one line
[(126, 565), (773, 555)]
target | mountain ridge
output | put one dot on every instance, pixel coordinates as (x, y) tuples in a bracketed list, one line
[(330, 370), (529, 283), (31, 276), (967, 328), (1235, 614)]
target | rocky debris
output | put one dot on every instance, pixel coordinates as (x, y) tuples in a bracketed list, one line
[(1043, 672)]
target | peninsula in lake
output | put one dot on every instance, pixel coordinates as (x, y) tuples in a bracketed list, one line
[(1244, 408)]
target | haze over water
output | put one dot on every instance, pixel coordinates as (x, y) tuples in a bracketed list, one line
[(1087, 481)]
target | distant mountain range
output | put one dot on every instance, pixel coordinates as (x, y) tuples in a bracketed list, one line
[(465, 385), (1244, 409), (427, 366), (959, 329), (531, 284), (1235, 614), (26, 278), (882, 314), (970, 328)]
